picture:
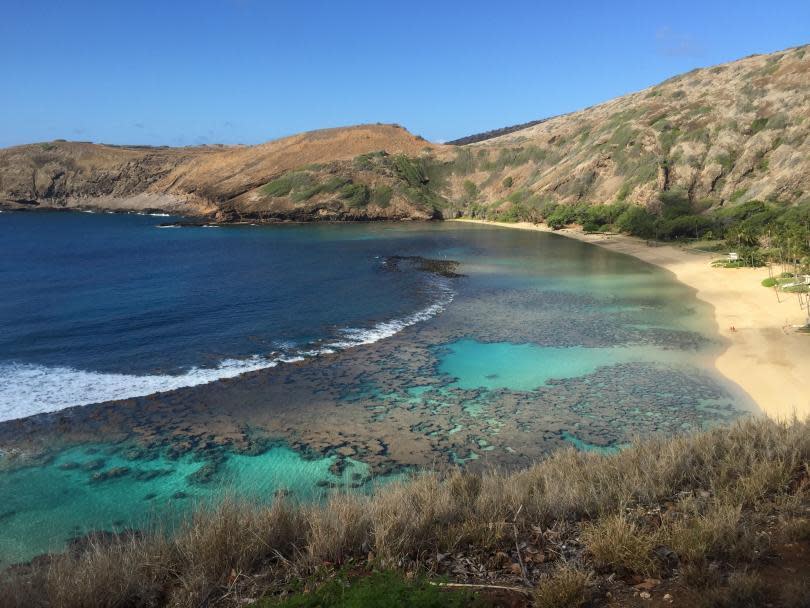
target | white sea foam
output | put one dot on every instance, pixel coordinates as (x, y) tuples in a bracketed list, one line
[(353, 336), (28, 389)]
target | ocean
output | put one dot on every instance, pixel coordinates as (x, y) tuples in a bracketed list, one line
[(145, 369), (97, 307)]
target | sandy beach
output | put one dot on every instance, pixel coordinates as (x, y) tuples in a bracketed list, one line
[(764, 356)]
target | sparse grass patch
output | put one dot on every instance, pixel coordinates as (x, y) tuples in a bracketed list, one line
[(565, 587), (743, 590), (718, 533), (618, 543), (796, 594)]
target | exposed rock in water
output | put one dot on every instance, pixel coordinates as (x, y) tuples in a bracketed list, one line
[(444, 268)]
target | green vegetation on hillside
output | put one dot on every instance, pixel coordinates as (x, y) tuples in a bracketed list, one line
[(706, 516), (758, 231), (378, 590)]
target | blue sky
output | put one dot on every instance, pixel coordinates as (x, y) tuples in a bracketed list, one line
[(245, 71)]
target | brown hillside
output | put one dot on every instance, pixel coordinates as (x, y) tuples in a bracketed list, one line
[(732, 132), (195, 181)]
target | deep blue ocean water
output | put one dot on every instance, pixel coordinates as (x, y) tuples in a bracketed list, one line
[(101, 306)]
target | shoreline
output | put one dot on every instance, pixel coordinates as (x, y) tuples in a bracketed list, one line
[(771, 365)]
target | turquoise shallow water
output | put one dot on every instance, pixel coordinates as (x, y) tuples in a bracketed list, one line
[(115, 488), (525, 367)]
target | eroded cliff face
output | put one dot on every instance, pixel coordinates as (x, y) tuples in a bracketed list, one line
[(85, 175), (221, 183)]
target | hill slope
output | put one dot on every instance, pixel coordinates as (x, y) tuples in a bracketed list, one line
[(224, 182), (732, 132)]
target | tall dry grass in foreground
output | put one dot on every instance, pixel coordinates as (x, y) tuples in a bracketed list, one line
[(699, 509)]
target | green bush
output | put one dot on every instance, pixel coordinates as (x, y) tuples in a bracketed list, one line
[(381, 196), (410, 170), (470, 190), (562, 216), (758, 125), (282, 186), (603, 214), (674, 204), (685, 226), (636, 221), (333, 184), (355, 195), (381, 589)]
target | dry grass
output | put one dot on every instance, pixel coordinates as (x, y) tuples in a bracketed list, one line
[(566, 587), (743, 590), (715, 498), (619, 544), (796, 594)]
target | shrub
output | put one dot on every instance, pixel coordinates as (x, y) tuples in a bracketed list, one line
[(566, 587), (383, 589), (381, 196), (333, 184), (691, 226), (562, 216), (674, 203), (355, 195), (758, 125), (617, 542), (282, 186), (470, 190), (410, 170), (603, 214), (636, 221)]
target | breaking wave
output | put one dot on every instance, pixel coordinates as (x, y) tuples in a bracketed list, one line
[(29, 389)]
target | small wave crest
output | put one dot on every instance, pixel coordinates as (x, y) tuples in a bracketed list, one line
[(354, 336), (29, 389)]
